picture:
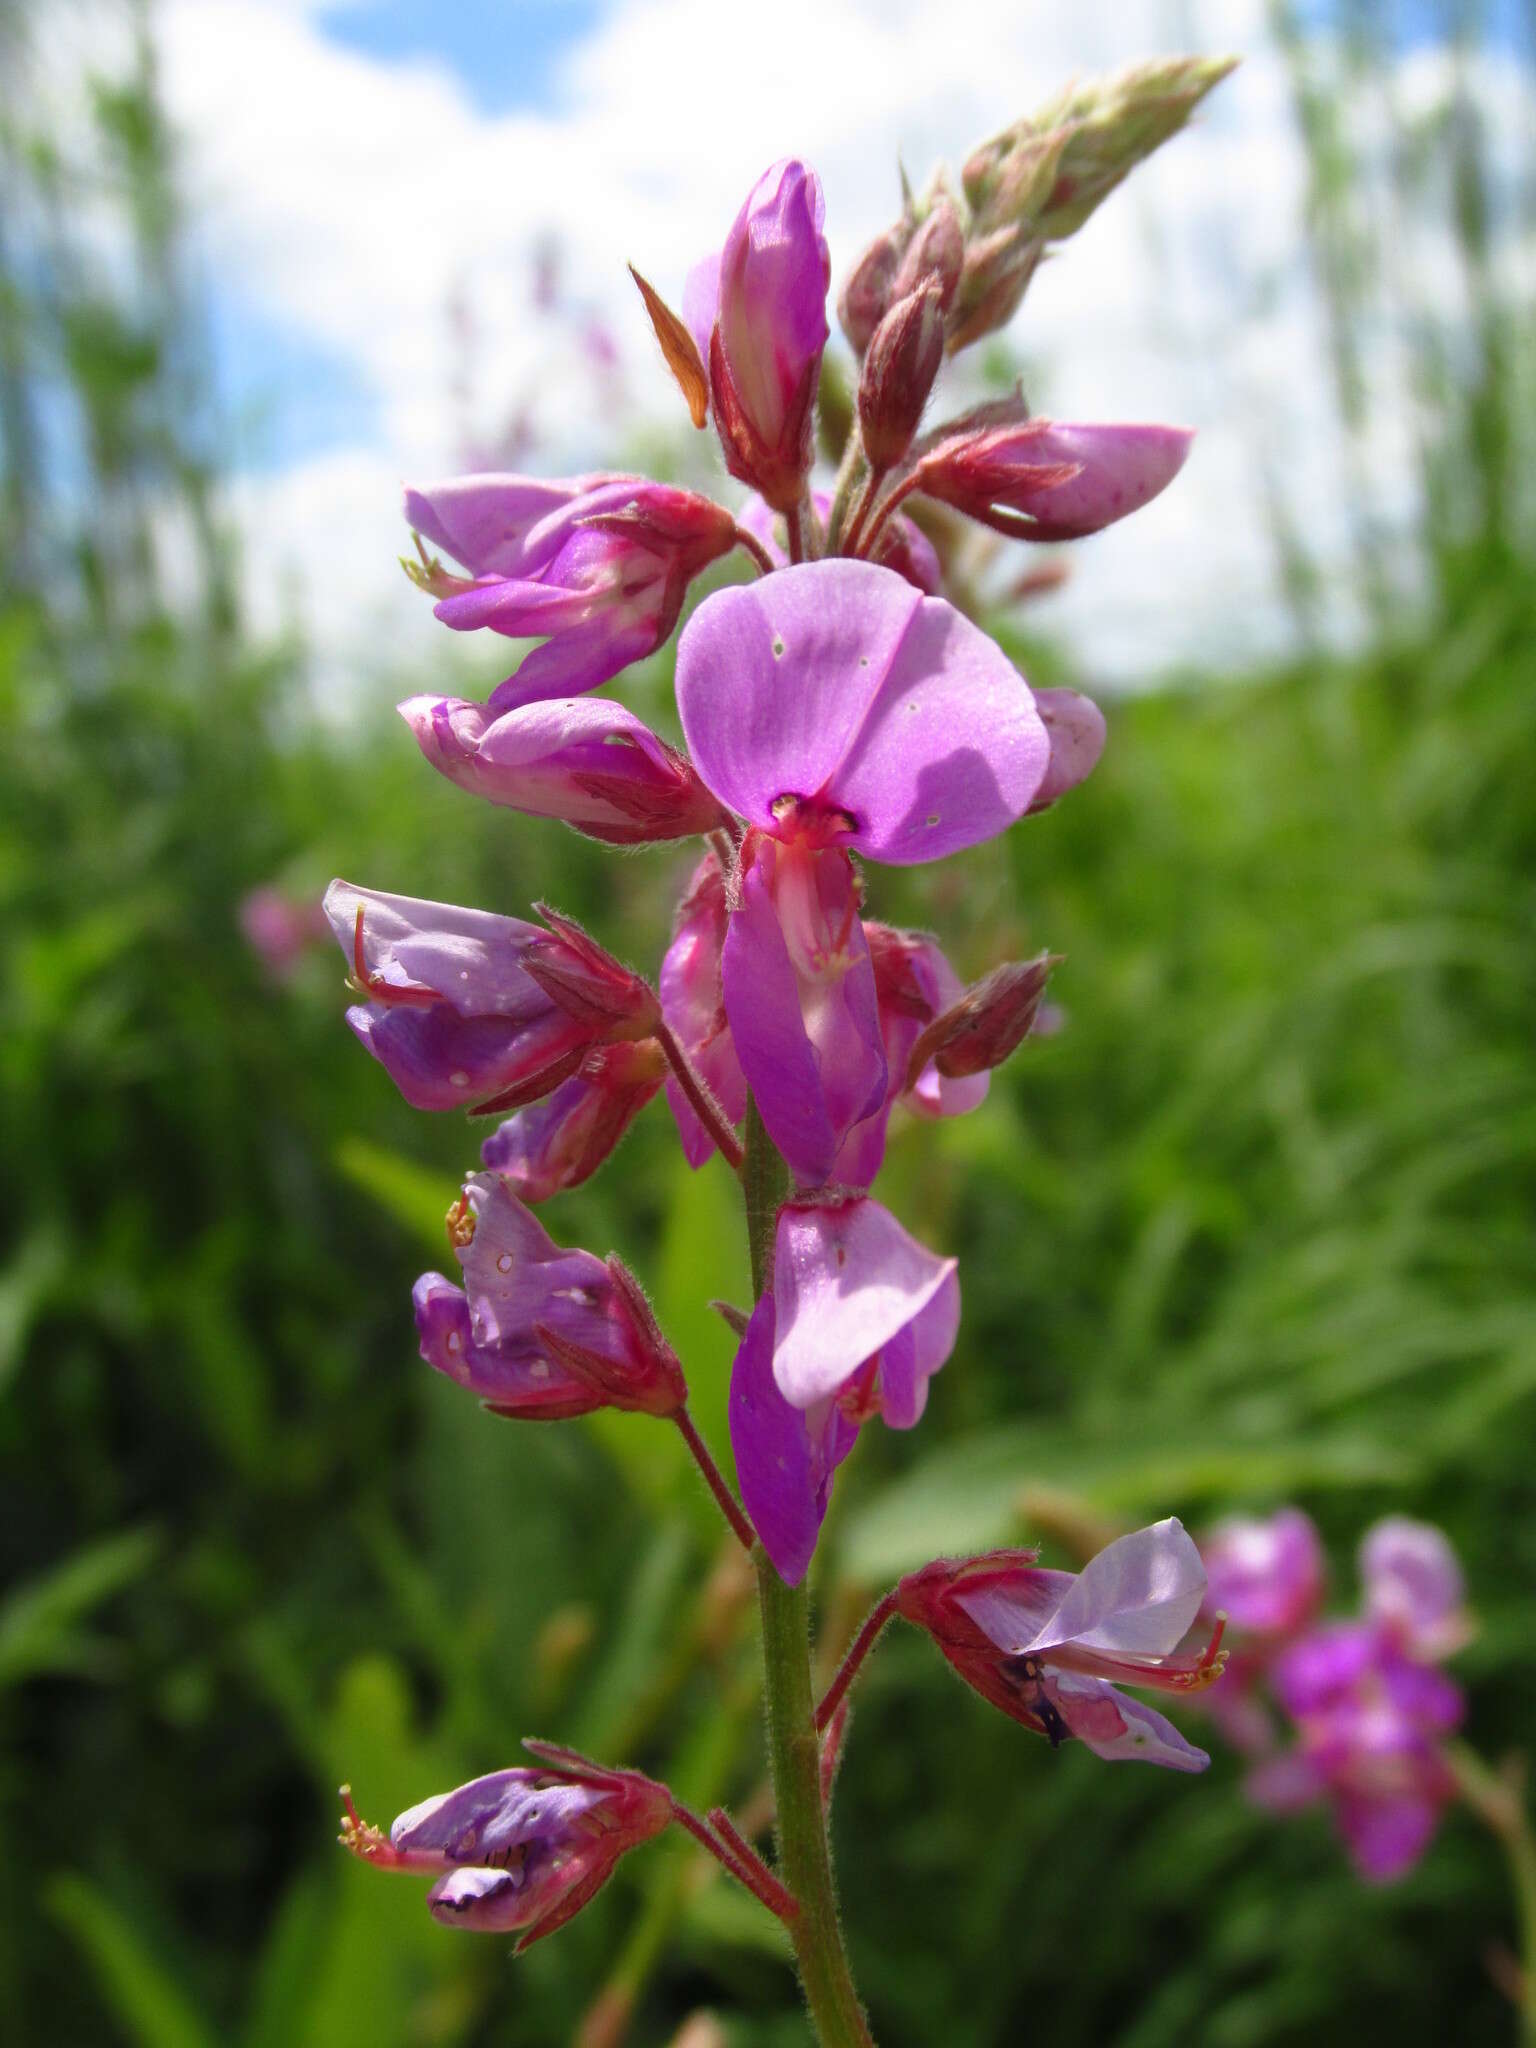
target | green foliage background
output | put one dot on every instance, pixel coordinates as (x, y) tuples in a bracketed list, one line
[(1255, 1227)]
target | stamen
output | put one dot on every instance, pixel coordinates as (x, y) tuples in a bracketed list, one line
[(367, 983), (1212, 1662), (365, 1841), (461, 1224)]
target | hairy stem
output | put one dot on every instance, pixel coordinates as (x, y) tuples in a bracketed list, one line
[(847, 1671), (794, 1752), (741, 1528), (705, 1107), (1499, 1804)]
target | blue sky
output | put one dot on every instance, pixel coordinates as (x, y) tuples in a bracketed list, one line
[(506, 55), (371, 182)]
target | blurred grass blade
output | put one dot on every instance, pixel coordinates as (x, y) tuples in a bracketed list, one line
[(137, 1989)]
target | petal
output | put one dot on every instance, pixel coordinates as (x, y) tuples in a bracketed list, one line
[(1118, 1728), (701, 301), (1074, 726), (1321, 1669), (1286, 1783), (581, 659), (485, 1901), (471, 958), (1411, 1578), (784, 1458), (1137, 1598), (848, 1280), (761, 723), (520, 610), (861, 709), (516, 1275), (1266, 1575), (495, 1812), (1122, 468), (810, 1094), (483, 521), (1386, 1836)]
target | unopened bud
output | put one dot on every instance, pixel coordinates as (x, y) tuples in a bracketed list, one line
[(988, 1022), (1040, 180), (903, 359), (587, 983), (934, 255), (866, 292)]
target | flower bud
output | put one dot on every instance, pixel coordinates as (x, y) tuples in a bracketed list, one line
[(538, 1331), (934, 256), (521, 1850), (1047, 480), (902, 362), (585, 981), (549, 1146), (1106, 127), (866, 292), (583, 760), (770, 327), (988, 1022), (1040, 180)]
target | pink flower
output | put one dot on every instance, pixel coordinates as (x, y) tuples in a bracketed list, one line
[(693, 1004), (464, 1009), (1370, 1725), (1051, 1649), (521, 1850), (859, 1318), (838, 710), (595, 566), (538, 1331)]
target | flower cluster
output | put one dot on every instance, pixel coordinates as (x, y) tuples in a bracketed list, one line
[(1369, 1710), (838, 714)]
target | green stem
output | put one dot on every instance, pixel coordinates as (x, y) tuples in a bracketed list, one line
[(794, 1751), (1498, 1803)]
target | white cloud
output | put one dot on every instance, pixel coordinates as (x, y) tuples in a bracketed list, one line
[(352, 200)]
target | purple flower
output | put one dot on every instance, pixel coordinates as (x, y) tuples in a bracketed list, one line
[(520, 1850), (556, 1144), (1414, 1587), (759, 315), (1267, 1576), (859, 1318), (914, 983), (583, 760), (597, 567), (465, 1009), (1047, 480), (836, 709), (280, 929), (538, 1331), (693, 1004), (1370, 1724), (1051, 1649)]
